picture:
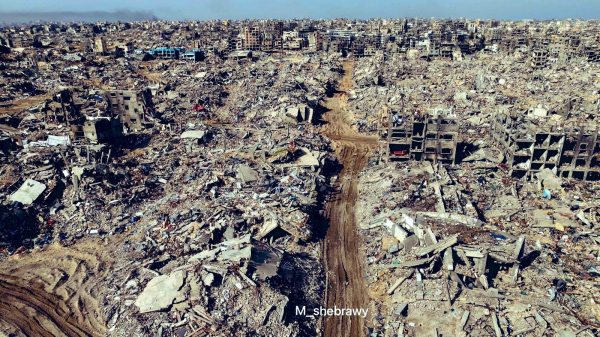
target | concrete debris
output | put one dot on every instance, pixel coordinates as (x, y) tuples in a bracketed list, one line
[(216, 178), (193, 134), (438, 247), (29, 192), (160, 292), (248, 175)]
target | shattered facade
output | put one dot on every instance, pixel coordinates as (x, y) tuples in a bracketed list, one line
[(433, 136), (129, 105), (571, 151)]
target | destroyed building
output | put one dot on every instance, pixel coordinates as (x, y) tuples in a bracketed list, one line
[(539, 58), (131, 106), (437, 174), (63, 108), (429, 136), (99, 130), (569, 148)]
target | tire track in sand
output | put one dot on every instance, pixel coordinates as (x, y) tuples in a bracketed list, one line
[(345, 283), (52, 293)]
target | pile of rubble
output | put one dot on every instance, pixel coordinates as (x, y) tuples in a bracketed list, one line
[(504, 257), (214, 197), (195, 190)]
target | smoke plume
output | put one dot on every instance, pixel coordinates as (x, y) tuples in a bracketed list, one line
[(65, 16)]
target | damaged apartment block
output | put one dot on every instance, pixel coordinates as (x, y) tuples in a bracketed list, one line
[(98, 129), (539, 58), (86, 120), (570, 149), (131, 106), (431, 136), (101, 119)]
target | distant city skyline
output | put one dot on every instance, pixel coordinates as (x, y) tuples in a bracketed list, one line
[(31, 10)]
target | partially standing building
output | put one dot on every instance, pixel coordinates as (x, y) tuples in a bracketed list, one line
[(571, 149), (430, 136), (130, 105)]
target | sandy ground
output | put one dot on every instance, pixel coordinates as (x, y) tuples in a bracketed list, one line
[(345, 280), (53, 292), (19, 105)]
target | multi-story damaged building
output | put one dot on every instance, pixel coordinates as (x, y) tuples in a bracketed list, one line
[(315, 41), (98, 130), (271, 37), (99, 46), (85, 118), (539, 58), (533, 142), (63, 107), (252, 38), (129, 105), (100, 119), (167, 53), (430, 136), (592, 53)]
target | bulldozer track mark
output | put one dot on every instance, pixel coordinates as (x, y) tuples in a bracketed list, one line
[(52, 293), (346, 287)]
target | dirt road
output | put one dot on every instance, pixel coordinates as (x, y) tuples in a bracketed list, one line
[(346, 285)]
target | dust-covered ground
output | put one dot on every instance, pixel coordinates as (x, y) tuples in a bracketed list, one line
[(346, 288)]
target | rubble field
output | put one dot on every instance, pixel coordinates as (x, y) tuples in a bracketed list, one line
[(178, 220), (232, 178)]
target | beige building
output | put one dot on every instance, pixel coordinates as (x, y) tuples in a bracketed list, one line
[(99, 46), (252, 38), (129, 105)]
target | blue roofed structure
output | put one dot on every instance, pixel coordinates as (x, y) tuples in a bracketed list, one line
[(167, 53)]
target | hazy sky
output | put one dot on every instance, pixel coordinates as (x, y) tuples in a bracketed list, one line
[(360, 9)]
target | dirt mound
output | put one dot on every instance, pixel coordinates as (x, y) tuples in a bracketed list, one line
[(52, 293)]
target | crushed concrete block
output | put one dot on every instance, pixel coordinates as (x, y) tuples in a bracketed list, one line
[(160, 292)]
